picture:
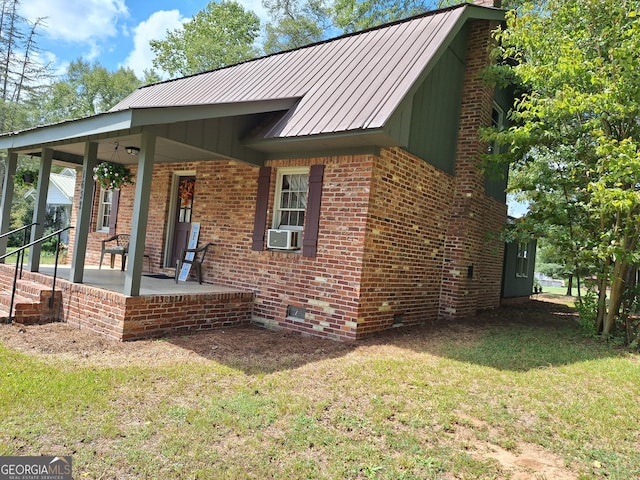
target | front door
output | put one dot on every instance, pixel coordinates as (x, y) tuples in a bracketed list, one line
[(184, 209)]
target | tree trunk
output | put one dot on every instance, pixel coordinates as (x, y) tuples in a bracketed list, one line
[(602, 296), (602, 303), (617, 290), (570, 285)]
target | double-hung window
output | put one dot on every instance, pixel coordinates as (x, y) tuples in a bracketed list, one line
[(104, 210), (522, 260), (291, 198)]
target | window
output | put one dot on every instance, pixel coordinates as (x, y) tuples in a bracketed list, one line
[(291, 198), (298, 196), (104, 210), (497, 121), (522, 260)]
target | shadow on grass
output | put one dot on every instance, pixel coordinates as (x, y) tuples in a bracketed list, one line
[(521, 337), (537, 334)]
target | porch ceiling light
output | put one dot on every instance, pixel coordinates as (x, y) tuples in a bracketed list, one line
[(132, 150)]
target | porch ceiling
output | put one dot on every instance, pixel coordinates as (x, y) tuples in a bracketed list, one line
[(166, 151)]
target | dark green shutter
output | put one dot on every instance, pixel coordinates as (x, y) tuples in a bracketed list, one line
[(312, 218), (262, 203)]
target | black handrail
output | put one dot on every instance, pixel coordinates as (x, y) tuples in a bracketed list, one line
[(20, 251), (18, 229), (20, 255)]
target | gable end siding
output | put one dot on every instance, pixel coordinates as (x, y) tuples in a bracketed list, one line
[(436, 109)]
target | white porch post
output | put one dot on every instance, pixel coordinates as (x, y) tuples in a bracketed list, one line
[(7, 198), (83, 222), (140, 214), (40, 208)]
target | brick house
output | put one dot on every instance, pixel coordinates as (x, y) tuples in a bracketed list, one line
[(337, 182)]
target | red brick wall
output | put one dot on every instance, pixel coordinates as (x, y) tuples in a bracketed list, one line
[(474, 228), (327, 285), (407, 220), (381, 245)]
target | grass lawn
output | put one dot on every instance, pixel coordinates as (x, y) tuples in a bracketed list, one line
[(515, 393), (45, 258)]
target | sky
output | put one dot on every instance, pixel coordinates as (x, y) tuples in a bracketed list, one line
[(115, 33)]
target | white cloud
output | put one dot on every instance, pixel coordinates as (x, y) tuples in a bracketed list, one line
[(77, 20), (154, 28), (257, 7)]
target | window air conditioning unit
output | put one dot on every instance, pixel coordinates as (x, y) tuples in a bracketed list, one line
[(283, 239)]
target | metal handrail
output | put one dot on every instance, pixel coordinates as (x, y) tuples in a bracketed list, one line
[(20, 251), (20, 255), (18, 229)]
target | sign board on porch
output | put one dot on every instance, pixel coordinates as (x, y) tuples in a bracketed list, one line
[(193, 243)]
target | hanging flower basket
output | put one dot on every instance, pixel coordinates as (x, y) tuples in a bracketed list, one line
[(26, 176), (112, 176)]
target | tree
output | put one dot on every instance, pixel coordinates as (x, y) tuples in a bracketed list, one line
[(20, 74), (355, 15), (574, 143), (86, 89), (222, 34), (295, 24)]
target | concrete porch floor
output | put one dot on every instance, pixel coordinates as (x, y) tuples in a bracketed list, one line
[(113, 280)]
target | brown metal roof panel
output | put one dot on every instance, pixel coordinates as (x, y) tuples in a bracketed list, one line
[(375, 73), (334, 102), (369, 91), (258, 79), (330, 93), (425, 42), (348, 83), (277, 77), (315, 66)]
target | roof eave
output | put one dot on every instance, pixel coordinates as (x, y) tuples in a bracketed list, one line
[(347, 142), (117, 121)]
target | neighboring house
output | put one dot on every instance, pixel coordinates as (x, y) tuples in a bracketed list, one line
[(547, 281), (337, 182), (60, 198)]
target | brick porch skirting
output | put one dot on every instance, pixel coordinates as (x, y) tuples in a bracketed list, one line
[(121, 317)]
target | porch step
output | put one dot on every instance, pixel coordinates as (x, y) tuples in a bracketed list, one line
[(30, 304)]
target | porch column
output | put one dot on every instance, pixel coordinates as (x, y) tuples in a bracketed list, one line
[(7, 198), (140, 214), (85, 203), (40, 208)]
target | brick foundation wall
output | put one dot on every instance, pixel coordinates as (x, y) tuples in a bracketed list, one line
[(161, 315), (472, 271), (119, 317)]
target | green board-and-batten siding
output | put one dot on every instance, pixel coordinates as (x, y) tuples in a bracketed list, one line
[(436, 108), (512, 284)]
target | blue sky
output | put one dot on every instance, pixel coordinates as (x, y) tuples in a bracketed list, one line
[(113, 32)]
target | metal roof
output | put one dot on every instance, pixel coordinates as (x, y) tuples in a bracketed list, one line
[(354, 82), (343, 93)]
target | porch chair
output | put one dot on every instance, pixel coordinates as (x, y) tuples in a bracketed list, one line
[(196, 262), (121, 247)]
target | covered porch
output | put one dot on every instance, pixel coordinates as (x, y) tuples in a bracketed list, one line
[(148, 139), (162, 307)]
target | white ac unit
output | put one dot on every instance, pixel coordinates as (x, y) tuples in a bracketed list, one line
[(283, 239)]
